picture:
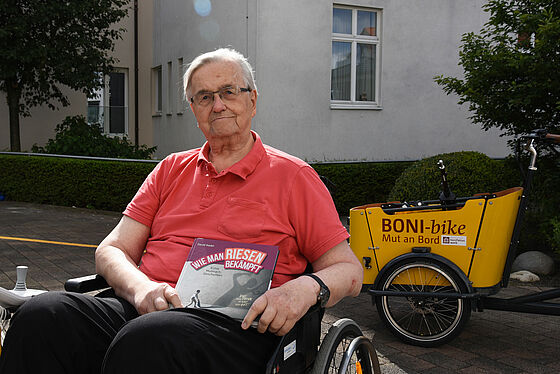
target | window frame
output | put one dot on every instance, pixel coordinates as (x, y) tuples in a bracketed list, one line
[(354, 39), (170, 87), (181, 102), (107, 123), (157, 91), (102, 100)]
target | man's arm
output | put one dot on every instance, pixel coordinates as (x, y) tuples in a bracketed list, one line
[(280, 308), (117, 259)]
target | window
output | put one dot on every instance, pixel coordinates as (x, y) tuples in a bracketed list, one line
[(108, 107), (181, 102), (355, 58), (117, 103), (170, 87), (157, 93)]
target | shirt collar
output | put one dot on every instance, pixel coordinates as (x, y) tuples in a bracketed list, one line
[(242, 168)]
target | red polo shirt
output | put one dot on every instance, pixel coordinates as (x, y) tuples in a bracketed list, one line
[(269, 197)]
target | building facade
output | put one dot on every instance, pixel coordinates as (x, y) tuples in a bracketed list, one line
[(344, 81), (350, 80)]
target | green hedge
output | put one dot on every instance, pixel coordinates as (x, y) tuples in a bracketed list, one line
[(361, 183), (107, 185)]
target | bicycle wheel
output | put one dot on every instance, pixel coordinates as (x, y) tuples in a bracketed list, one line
[(423, 321), (332, 349)]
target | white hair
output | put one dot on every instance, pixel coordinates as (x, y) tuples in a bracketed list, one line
[(222, 54)]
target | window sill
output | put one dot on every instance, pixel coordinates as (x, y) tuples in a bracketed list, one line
[(356, 105)]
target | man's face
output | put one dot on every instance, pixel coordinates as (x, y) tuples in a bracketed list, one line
[(223, 119)]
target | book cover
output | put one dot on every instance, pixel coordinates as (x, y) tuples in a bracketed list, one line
[(226, 276)]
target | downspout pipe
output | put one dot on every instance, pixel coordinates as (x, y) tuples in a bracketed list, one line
[(136, 127)]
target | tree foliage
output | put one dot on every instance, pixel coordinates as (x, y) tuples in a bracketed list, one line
[(511, 69), (49, 44)]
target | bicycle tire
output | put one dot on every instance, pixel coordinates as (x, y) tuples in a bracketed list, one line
[(423, 321)]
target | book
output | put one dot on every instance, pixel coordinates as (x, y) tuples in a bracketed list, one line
[(226, 276)]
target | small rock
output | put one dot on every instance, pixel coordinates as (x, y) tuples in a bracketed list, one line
[(535, 262), (524, 276)]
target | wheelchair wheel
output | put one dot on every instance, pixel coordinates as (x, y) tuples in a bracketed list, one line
[(4, 324), (423, 321), (336, 343)]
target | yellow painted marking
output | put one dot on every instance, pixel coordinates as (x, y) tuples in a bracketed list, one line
[(48, 242)]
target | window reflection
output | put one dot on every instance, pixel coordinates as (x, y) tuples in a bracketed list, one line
[(365, 72), (341, 66), (367, 23), (342, 21)]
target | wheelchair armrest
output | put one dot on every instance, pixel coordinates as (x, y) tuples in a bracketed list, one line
[(85, 284)]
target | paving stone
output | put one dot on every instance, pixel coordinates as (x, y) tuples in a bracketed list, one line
[(411, 363), (443, 361), (525, 365), (474, 370), (494, 366)]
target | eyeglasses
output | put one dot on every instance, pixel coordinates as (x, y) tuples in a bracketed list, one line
[(227, 94)]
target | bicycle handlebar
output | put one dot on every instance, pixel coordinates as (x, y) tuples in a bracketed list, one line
[(542, 135), (446, 197), (553, 137)]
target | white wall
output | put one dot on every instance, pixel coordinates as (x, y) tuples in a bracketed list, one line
[(179, 32), (289, 44)]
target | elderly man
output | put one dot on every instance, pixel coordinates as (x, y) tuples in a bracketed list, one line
[(233, 188)]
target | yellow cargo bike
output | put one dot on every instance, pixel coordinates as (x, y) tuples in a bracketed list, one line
[(428, 264)]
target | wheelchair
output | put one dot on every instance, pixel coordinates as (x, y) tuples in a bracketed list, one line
[(344, 348)]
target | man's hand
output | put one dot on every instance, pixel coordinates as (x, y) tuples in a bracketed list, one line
[(152, 296), (280, 308)]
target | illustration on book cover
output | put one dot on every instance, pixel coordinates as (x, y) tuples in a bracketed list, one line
[(226, 276)]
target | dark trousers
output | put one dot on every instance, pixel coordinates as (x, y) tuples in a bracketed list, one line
[(60, 332)]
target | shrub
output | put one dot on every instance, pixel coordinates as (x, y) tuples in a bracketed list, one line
[(555, 234), (468, 173), (107, 185), (360, 183), (74, 136), (538, 230)]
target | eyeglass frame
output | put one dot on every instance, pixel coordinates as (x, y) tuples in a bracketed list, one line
[(213, 93)]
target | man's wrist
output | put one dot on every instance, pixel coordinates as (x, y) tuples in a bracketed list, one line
[(324, 293), (312, 288)]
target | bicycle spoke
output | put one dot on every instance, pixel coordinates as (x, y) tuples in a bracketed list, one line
[(422, 317)]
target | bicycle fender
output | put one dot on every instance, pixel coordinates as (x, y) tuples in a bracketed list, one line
[(426, 255)]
